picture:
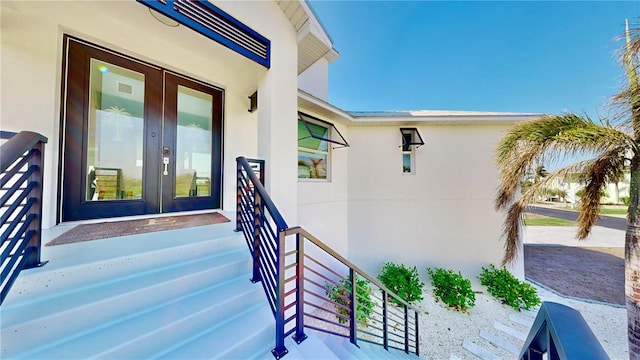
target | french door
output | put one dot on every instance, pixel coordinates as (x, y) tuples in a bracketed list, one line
[(138, 139)]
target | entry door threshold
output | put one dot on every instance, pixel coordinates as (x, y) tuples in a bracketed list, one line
[(141, 217)]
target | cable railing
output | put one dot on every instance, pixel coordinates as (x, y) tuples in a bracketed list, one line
[(21, 177), (308, 285)]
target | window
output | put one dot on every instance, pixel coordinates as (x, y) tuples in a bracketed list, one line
[(407, 161), (410, 140), (315, 141)]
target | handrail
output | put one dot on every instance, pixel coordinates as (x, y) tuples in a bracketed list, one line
[(292, 285), (299, 230), (277, 217), (21, 185), (562, 333), (19, 144)]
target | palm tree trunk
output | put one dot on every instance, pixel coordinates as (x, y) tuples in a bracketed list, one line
[(632, 262)]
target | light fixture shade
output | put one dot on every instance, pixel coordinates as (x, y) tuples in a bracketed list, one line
[(163, 19), (253, 102)]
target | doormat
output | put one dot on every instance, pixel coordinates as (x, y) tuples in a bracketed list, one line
[(105, 230)]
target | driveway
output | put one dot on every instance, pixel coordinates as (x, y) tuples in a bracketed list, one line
[(589, 269)]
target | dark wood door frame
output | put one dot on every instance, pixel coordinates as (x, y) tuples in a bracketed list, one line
[(74, 128)]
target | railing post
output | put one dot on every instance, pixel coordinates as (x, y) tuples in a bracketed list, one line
[(257, 225), (238, 195), (417, 315), (299, 336), (32, 251), (280, 350), (406, 329), (385, 322), (353, 313)]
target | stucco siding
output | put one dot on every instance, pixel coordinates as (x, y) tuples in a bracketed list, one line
[(323, 205), (440, 216)]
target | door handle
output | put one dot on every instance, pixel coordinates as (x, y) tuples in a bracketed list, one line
[(165, 161)]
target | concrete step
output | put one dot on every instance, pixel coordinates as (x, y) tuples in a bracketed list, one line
[(522, 336), (530, 313), (207, 269), (311, 348), (239, 337), (181, 320), (479, 351), (197, 304), (500, 342), (340, 346), (41, 284), (93, 306), (522, 320)]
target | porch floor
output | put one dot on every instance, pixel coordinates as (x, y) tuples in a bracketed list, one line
[(80, 253)]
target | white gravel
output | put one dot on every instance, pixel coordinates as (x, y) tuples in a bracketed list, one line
[(444, 330), (608, 323)]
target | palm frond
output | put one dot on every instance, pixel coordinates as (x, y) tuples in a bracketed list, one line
[(610, 165), (511, 232), (601, 170), (547, 139), (512, 222), (626, 104)]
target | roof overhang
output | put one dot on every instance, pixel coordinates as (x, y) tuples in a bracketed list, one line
[(313, 41), (438, 117), (323, 109)]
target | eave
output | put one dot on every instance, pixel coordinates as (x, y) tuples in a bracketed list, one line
[(313, 41)]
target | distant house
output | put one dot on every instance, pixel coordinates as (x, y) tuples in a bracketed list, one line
[(146, 106), (614, 192)]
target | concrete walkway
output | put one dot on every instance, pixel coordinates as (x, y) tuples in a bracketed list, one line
[(566, 235)]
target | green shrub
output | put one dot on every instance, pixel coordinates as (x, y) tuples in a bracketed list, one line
[(452, 288), (403, 281), (340, 294), (508, 289), (625, 200)]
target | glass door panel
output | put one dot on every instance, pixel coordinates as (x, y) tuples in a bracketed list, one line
[(112, 134), (115, 133), (193, 143)]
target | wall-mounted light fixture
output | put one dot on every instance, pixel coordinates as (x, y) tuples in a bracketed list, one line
[(253, 102)]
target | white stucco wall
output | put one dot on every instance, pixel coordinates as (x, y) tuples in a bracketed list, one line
[(315, 80), (323, 205), (31, 57), (441, 216)]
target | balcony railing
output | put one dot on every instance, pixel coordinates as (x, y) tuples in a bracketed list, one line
[(22, 159), (296, 276)]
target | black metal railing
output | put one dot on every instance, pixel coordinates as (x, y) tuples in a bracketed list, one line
[(297, 277), (22, 159), (560, 332)]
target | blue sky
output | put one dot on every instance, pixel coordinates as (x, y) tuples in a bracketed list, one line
[(512, 56)]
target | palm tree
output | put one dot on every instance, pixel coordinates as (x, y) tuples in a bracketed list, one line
[(615, 144)]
